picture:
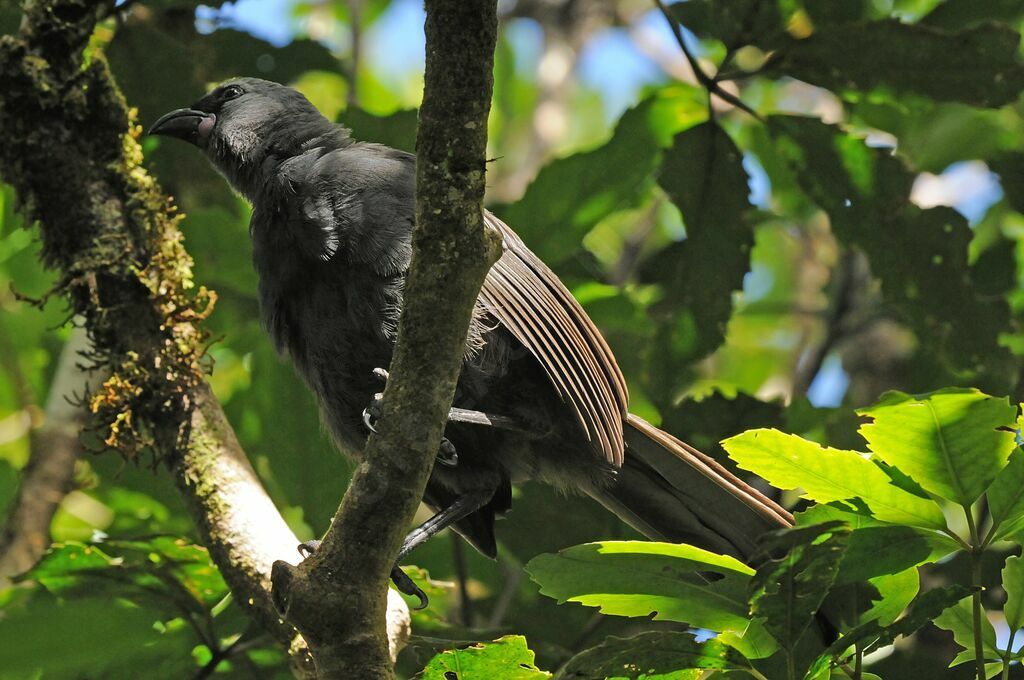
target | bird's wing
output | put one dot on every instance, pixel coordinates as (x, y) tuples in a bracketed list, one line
[(526, 297)]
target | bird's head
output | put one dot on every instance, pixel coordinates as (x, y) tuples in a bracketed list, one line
[(242, 122)]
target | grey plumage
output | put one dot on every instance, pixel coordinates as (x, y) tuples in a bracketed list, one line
[(331, 227)]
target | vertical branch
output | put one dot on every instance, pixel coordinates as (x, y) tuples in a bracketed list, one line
[(47, 476), (336, 598)]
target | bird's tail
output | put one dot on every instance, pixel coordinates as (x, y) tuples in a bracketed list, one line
[(670, 491)]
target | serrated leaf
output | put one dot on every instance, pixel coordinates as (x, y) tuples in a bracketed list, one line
[(825, 475), (649, 654), (925, 608), (788, 592), (878, 551), (949, 442), (979, 65), (703, 174), (1013, 584), (612, 177), (959, 619), (508, 657), (638, 578), (1006, 497), (897, 591)]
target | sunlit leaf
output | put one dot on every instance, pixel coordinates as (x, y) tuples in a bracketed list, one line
[(506, 657), (826, 475), (633, 578), (651, 654), (1013, 584), (952, 442), (1006, 497), (959, 619)]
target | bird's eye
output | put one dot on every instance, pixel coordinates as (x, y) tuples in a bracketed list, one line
[(231, 92)]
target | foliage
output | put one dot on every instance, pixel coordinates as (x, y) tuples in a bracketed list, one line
[(763, 281)]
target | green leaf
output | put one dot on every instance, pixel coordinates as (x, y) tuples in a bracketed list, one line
[(1013, 583), (882, 550), (1010, 167), (921, 256), (735, 23), (89, 638), (826, 475), (1006, 497), (638, 578), (958, 14), (960, 620), (397, 130), (788, 592), (163, 572), (897, 591), (950, 442), (979, 65), (924, 609), (649, 654), (506, 658), (703, 175), (571, 195)]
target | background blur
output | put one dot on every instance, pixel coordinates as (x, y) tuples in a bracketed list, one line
[(791, 320)]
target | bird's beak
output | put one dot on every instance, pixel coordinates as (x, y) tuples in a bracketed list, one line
[(187, 124)]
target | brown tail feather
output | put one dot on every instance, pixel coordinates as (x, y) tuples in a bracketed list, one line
[(668, 490)]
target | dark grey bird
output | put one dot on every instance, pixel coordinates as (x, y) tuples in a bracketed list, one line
[(540, 396)]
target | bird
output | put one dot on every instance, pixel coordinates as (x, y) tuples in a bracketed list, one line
[(540, 395)]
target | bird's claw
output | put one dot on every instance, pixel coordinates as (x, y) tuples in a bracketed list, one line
[(307, 548), (446, 453), (369, 419), (405, 585), (373, 412)]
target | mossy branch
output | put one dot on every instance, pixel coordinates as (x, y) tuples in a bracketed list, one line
[(70, 151), (336, 598)]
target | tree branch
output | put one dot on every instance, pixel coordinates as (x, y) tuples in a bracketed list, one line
[(70, 152), (49, 473), (336, 597)]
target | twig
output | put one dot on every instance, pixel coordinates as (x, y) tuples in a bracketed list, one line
[(710, 84), (513, 577), (462, 576)]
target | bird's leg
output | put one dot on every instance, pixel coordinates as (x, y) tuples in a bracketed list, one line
[(372, 413), (464, 505)]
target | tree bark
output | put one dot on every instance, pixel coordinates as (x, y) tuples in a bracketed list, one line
[(49, 474), (70, 152), (336, 598)]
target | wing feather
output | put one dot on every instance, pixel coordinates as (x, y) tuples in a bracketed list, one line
[(525, 296)]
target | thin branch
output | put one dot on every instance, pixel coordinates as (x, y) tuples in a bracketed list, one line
[(709, 83), (49, 473), (336, 597)]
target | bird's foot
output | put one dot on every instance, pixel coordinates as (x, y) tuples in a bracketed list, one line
[(307, 548), (373, 412), (446, 454), (407, 586), (402, 582)]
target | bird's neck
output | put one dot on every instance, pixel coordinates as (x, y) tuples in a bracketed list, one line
[(250, 170)]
